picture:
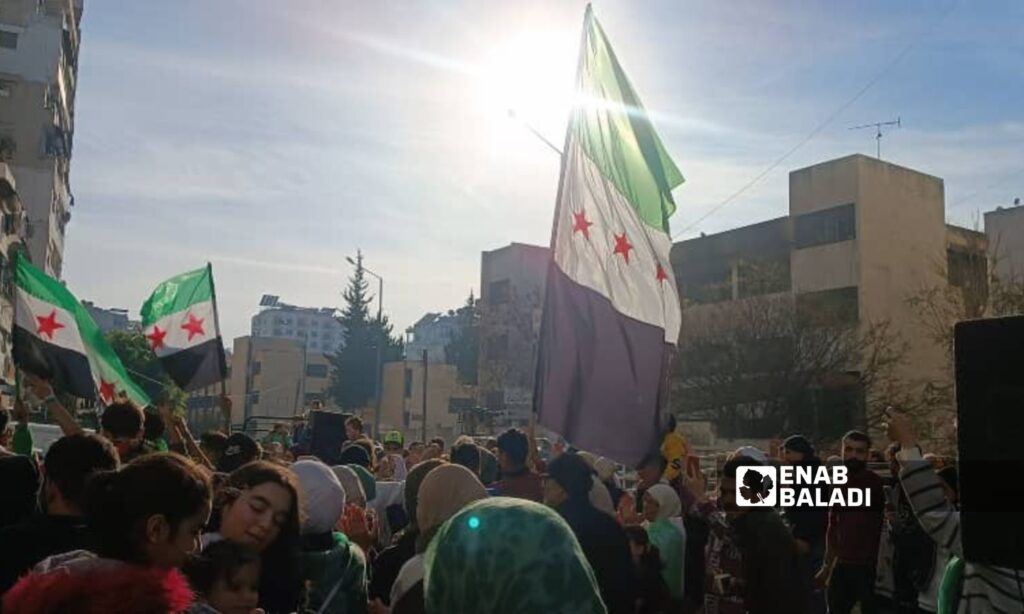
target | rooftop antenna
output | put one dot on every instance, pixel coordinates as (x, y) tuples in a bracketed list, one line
[(878, 133)]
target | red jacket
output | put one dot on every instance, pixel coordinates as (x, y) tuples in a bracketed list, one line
[(80, 583), (853, 533), (523, 484)]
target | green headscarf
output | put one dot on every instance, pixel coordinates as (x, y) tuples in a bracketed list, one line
[(367, 480), (508, 556)]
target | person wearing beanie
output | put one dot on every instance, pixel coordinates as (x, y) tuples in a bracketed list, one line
[(239, 449), (333, 567), (352, 454), (808, 523)]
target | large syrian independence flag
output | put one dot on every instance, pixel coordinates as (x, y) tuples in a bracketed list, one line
[(180, 322), (55, 338), (611, 312)]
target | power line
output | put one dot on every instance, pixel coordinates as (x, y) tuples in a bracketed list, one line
[(994, 184), (828, 120)]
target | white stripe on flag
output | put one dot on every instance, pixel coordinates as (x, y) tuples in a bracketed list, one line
[(633, 287), (47, 322), (182, 330)]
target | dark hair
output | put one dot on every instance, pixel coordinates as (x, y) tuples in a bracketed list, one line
[(439, 441), (573, 474), (413, 444), (122, 420), (355, 422), (515, 444), (351, 454), (856, 435), (239, 449), (468, 455), (220, 560), (730, 466), (153, 427), (73, 459), (214, 440), (651, 558), (488, 467), (5, 419), (654, 457), (280, 579), (118, 503), (371, 454)]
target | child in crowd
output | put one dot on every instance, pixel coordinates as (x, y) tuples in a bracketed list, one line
[(225, 578)]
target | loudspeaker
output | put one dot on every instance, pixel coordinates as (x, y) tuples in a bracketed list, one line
[(327, 433), (989, 357)]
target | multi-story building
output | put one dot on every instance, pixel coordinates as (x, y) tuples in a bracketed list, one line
[(11, 241), (39, 44), (317, 328), (203, 409), (433, 332), (402, 399), (511, 303), (114, 318), (861, 238), (275, 379), (1005, 230)]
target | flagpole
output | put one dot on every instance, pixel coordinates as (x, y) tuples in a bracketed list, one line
[(216, 322), (587, 17)]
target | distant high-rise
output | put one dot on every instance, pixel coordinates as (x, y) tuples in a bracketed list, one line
[(318, 328), (39, 43)]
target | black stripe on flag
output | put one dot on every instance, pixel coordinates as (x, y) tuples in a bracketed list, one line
[(66, 369), (198, 366)]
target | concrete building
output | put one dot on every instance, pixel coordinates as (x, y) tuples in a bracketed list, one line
[(861, 236), (433, 332), (402, 399), (203, 410), (275, 379), (114, 318), (39, 44), (1005, 230), (316, 328), (512, 282), (11, 241)]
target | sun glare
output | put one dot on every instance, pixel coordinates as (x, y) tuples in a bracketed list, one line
[(529, 77)]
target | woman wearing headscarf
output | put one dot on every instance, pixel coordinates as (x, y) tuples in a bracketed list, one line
[(354, 493), (333, 568), (508, 556), (444, 492), (662, 509), (390, 560)]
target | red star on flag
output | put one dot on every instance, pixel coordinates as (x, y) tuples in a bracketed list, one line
[(662, 276), (48, 325), (194, 326), (106, 391), (622, 246), (156, 338), (580, 224)]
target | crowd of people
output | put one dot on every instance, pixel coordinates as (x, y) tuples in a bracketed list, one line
[(144, 518)]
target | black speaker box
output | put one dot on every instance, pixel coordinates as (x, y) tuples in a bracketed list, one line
[(327, 433), (989, 357)]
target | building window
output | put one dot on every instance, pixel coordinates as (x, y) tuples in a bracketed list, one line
[(257, 367), (828, 226), (277, 332), (756, 278), (302, 322), (314, 334), (828, 307), (8, 40), (709, 284), (316, 370), (256, 398), (499, 292), (6, 88), (314, 346), (313, 396), (408, 384)]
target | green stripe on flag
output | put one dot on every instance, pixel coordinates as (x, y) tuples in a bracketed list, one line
[(40, 285), (616, 133), (177, 294)]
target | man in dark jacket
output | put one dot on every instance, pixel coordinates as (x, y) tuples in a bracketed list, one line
[(771, 581), (69, 463), (807, 523), (603, 541)]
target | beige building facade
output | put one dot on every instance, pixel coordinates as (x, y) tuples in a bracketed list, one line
[(274, 380), (1005, 230), (39, 45), (402, 400), (11, 241), (862, 237)]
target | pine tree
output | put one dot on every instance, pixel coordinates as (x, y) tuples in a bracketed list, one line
[(354, 366), (463, 350)]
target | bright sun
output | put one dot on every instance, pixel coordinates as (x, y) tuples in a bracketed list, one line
[(531, 74)]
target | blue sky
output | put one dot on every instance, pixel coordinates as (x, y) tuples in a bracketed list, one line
[(276, 138)]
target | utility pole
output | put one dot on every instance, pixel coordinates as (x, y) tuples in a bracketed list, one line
[(424, 435), (878, 133)]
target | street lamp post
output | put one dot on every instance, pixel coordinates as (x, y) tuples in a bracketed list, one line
[(380, 343)]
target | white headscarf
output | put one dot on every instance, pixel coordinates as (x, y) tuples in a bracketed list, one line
[(605, 469), (354, 492), (600, 497), (669, 505), (324, 497)]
